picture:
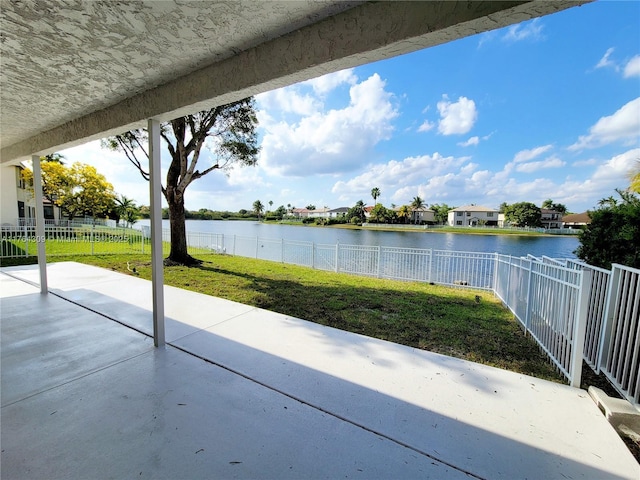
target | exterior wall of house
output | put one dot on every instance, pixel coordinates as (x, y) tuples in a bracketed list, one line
[(9, 195), (421, 215), (17, 203), (461, 217), (551, 219), (338, 212), (303, 213)]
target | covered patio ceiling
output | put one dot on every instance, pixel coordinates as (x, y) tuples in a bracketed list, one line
[(74, 71)]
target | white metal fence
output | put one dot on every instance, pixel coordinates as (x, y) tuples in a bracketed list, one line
[(573, 310), (65, 222), (620, 332), (80, 239), (546, 299), (469, 269)]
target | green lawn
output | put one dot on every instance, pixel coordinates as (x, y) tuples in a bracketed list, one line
[(466, 324), (84, 241)]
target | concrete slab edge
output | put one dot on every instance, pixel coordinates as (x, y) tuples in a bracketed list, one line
[(622, 415)]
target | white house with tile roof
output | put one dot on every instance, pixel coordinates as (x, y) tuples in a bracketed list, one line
[(473, 215)]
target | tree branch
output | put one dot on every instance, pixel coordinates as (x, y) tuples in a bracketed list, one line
[(131, 156)]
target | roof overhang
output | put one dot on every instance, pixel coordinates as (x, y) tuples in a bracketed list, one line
[(75, 72)]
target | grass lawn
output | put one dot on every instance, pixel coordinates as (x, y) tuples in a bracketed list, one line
[(472, 325)]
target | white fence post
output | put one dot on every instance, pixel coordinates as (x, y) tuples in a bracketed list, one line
[(337, 256), (579, 328), (508, 289), (313, 255), (527, 315), (607, 321), (379, 260), (26, 240)]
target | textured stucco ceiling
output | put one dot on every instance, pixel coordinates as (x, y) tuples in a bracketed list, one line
[(76, 70), (64, 59)]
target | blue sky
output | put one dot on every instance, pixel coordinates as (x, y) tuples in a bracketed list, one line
[(549, 108)]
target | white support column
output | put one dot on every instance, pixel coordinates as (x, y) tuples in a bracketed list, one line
[(157, 272), (40, 233)]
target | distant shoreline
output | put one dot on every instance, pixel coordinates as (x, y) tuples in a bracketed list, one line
[(438, 229)]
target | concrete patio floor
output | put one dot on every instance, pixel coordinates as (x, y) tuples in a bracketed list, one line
[(241, 392)]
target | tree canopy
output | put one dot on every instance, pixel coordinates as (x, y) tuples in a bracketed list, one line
[(78, 190), (381, 214), (404, 213), (551, 205), (523, 214), (441, 212), (228, 132), (375, 193), (356, 213), (614, 233), (634, 176), (417, 202)]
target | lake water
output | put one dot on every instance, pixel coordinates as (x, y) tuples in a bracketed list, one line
[(516, 245)]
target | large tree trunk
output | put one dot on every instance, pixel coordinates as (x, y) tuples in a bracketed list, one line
[(178, 253)]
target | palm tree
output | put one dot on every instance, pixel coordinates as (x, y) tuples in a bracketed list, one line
[(375, 193), (608, 202), (404, 213), (258, 208), (270, 204), (126, 209), (358, 211), (417, 204)]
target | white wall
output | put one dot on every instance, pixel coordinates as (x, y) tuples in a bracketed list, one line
[(473, 216), (8, 195)]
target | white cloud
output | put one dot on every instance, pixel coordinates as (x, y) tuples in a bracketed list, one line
[(619, 166), (333, 141), (605, 61), (632, 68), (289, 100), (530, 167), (526, 155), (426, 126), (610, 175), (629, 70), (324, 84), (393, 176), (471, 141), (526, 30), (623, 125), (457, 181), (456, 117)]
